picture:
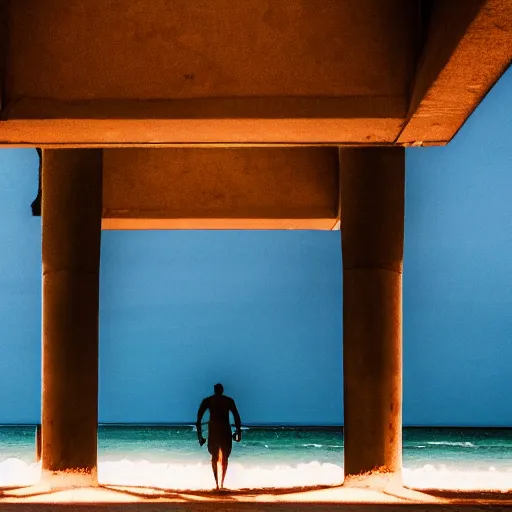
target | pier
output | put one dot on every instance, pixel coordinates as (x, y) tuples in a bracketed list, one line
[(237, 115)]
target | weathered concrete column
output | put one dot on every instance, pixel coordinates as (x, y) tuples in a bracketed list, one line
[(71, 218), (372, 224)]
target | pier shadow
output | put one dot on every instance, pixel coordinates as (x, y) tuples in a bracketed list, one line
[(408, 497), (484, 496), (26, 491), (157, 493), (317, 498)]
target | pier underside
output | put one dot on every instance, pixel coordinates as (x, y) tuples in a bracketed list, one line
[(105, 73)]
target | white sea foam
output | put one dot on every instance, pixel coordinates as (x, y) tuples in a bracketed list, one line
[(198, 476), (441, 477), (466, 444), (308, 445), (17, 472), (187, 476)]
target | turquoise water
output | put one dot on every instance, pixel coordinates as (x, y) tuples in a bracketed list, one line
[(167, 455)]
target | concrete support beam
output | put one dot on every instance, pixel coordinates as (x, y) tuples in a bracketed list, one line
[(224, 188), (372, 224), (308, 72), (71, 219), (305, 71), (358, 119), (468, 47)]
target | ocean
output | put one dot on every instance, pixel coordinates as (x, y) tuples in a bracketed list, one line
[(170, 457)]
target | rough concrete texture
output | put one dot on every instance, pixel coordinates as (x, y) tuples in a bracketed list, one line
[(106, 130), (372, 207), (469, 46), (71, 232), (372, 225), (106, 49), (200, 188), (104, 72)]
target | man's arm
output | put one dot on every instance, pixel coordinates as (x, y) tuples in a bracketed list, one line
[(238, 422), (199, 427)]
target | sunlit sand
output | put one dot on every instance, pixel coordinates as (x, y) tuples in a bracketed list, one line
[(279, 493), (14, 472)]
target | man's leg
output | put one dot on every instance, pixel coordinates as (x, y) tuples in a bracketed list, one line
[(215, 461), (224, 469)]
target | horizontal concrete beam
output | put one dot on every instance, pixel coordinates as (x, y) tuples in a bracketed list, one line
[(317, 120), (304, 72), (250, 188), (468, 47), (226, 223), (298, 72)]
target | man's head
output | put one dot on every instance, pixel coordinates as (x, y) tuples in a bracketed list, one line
[(219, 389)]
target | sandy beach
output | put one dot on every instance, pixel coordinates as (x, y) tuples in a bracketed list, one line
[(106, 498)]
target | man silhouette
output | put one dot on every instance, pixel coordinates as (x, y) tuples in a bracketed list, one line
[(219, 429)]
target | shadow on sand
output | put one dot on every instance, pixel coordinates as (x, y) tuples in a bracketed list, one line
[(319, 498), (155, 493), (26, 491), (470, 496)]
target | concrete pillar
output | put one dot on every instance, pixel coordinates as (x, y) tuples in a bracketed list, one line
[(372, 223), (71, 218), (38, 442)]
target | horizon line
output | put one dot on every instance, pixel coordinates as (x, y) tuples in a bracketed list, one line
[(268, 425)]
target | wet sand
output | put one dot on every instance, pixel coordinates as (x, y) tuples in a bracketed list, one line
[(110, 498)]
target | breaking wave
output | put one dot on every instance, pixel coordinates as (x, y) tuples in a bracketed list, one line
[(466, 444)]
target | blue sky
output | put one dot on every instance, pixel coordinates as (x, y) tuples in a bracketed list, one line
[(261, 311)]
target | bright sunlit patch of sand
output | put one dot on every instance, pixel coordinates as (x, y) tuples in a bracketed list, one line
[(199, 476)]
